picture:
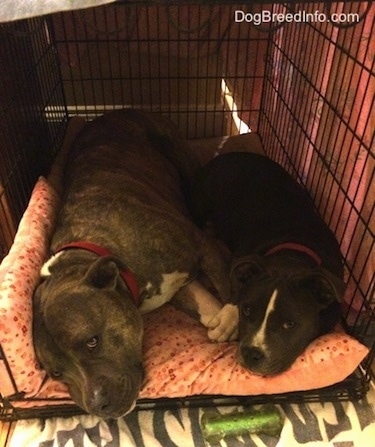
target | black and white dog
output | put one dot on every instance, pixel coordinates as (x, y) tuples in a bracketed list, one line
[(286, 267)]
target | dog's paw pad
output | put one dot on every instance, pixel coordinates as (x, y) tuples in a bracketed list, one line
[(224, 325)]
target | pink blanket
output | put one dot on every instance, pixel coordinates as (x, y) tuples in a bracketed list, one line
[(179, 359)]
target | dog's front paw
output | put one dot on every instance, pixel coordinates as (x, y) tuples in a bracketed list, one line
[(224, 325)]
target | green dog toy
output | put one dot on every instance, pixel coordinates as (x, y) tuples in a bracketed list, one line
[(266, 419)]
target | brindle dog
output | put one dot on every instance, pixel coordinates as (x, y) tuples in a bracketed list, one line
[(124, 244)]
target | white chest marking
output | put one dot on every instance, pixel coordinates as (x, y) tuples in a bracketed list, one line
[(169, 286), (45, 270), (259, 339)]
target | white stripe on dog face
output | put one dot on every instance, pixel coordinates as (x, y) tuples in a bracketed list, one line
[(260, 337)]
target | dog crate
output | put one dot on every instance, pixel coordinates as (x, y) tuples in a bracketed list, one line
[(299, 75)]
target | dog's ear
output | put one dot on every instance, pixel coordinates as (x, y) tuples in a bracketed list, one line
[(242, 271), (103, 273), (325, 287)]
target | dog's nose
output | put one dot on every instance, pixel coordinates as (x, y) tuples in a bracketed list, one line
[(252, 355), (99, 400)]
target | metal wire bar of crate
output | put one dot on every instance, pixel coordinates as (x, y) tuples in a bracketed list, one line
[(331, 154)]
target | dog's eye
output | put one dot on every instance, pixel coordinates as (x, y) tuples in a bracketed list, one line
[(246, 310), (92, 343), (289, 324), (56, 374)]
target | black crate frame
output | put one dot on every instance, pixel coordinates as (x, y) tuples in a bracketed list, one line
[(40, 96)]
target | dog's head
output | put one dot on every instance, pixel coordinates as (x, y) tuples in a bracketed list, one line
[(281, 314), (88, 334)]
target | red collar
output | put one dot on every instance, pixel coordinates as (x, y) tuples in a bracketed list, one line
[(297, 247), (126, 274)]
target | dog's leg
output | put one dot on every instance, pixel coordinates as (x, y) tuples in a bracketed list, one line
[(197, 301), (224, 325), (214, 265)]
